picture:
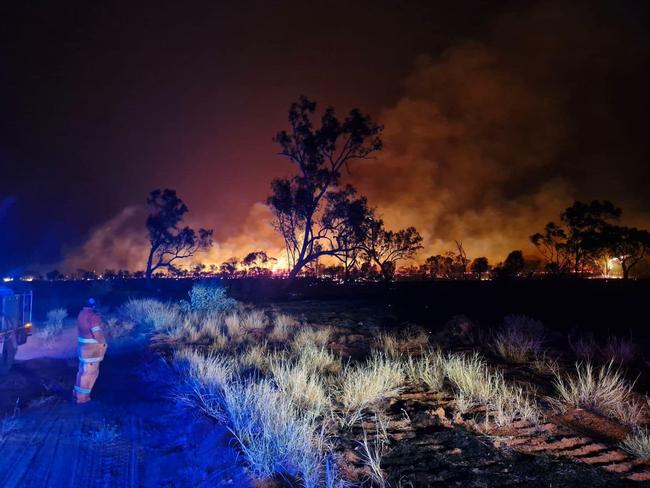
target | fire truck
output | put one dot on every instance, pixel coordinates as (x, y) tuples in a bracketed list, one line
[(15, 324)]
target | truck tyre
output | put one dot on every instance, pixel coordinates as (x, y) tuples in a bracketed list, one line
[(21, 337), (7, 353)]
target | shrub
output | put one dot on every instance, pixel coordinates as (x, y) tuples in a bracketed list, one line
[(519, 338), (604, 391), (53, 324), (208, 297)]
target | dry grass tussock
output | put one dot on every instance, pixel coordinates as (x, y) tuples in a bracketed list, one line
[(277, 420), (318, 359), (638, 443), (204, 378), (603, 390), (256, 356), (519, 338), (394, 346), (274, 435), (53, 325), (278, 413), (388, 344), (283, 413), (241, 325), (161, 316), (115, 327), (428, 369), (254, 321), (619, 350), (364, 386), (475, 383), (372, 450), (284, 326), (302, 385), (219, 330), (316, 336), (9, 424)]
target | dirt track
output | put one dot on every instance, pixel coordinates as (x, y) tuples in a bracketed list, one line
[(130, 436)]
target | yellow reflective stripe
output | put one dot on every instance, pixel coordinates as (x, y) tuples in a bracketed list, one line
[(90, 360), (96, 328), (83, 340), (79, 389)]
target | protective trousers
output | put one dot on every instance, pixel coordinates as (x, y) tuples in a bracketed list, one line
[(90, 355)]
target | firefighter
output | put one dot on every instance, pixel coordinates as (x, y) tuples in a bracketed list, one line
[(92, 347)]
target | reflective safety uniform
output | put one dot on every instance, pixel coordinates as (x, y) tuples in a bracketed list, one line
[(92, 347)]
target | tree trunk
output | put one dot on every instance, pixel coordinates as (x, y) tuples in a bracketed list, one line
[(295, 270), (149, 264)]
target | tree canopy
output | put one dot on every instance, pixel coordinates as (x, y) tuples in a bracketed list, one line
[(169, 240), (314, 216)]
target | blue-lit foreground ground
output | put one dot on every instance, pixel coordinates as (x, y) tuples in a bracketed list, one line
[(131, 435), (135, 434)]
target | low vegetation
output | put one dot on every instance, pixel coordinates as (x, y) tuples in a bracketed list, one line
[(519, 339), (291, 402), (53, 325), (603, 390), (363, 386), (638, 443), (428, 369)]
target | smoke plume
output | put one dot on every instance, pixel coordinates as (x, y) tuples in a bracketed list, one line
[(489, 140), (492, 139)]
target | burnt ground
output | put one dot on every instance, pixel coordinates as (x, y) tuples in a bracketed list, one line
[(431, 446)]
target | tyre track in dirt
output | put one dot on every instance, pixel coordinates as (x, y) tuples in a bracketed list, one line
[(131, 435), (431, 445), (558, 440), (53, 447)]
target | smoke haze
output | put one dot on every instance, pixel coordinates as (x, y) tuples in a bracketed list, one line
[(489, 140)]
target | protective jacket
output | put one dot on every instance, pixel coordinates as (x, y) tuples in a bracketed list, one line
[(91, 351)]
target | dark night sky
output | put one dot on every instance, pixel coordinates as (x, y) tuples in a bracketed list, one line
[(102, 103)]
